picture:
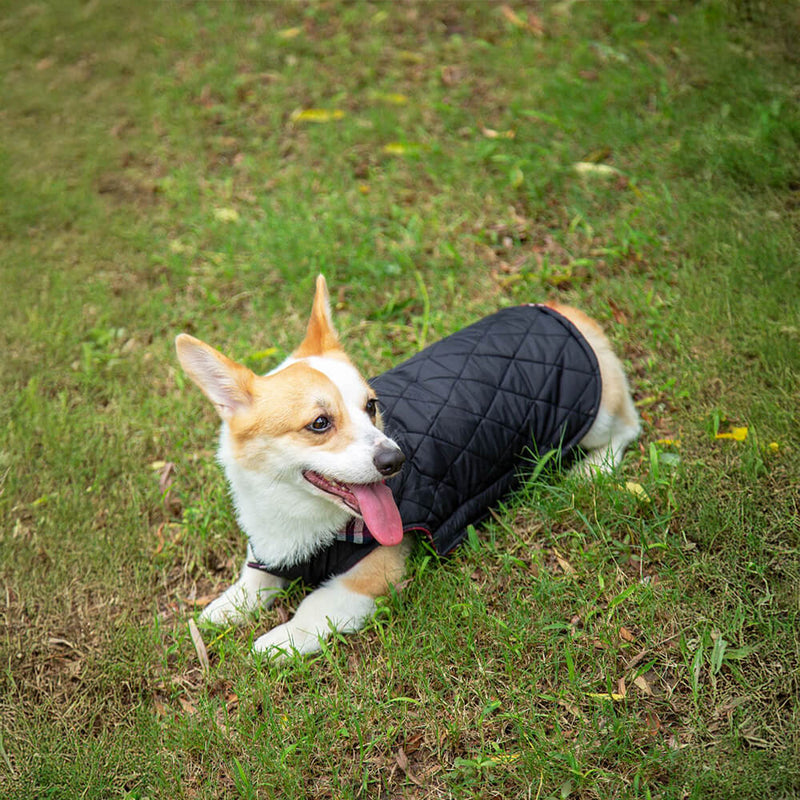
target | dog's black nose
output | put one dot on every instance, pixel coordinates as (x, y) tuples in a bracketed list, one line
[(388, 459)]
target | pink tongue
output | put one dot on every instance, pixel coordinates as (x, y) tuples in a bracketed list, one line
[(379, 511)]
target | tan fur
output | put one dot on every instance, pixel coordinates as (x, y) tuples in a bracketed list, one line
[(288, 401), (321, 338), (283, 406), (382, 568), (616, 396)]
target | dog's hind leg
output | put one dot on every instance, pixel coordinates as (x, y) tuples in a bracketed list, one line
[(606, 442), (344, 603), (617, 423)]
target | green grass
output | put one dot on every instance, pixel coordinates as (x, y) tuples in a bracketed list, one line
[(589, 642)]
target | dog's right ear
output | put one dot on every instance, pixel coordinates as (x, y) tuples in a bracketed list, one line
[(225, 383)]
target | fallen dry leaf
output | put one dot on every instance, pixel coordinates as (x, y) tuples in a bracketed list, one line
[(160, 537), (402, 761), (617, 313), (626, 635), (638, 658), (202, 601), (652, 722), (640, 682), (566, 567), (187, 706), (165, 476), (533, 24), (491, 133), (199, 646), (159, 707)]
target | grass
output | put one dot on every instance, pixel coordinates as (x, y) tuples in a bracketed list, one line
[(157, 174)]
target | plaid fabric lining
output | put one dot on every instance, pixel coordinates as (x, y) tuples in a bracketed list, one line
[(355, 532)]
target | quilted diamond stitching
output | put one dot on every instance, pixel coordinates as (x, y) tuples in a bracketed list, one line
[(470, 346)]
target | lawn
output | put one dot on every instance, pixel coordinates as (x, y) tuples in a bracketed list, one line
[(178, 166)]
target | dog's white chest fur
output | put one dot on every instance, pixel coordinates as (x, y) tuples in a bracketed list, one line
[(284, 523)]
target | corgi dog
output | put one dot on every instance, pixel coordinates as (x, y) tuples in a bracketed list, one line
[(306, 457)]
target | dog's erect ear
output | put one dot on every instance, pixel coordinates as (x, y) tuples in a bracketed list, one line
[(320, 336), (227, 385)]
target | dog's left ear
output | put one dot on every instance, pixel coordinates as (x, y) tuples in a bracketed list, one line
[(320, 335)]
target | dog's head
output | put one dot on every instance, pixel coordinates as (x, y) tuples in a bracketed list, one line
[(313, 421)]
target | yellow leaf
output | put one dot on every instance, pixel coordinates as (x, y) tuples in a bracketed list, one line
[(290, 33), (317, 115), (226, 214), (669, 442), (270, 351), (557, 278), (638, 490), (411, 57), (588, 169), (490, 133), (736, 434), (606, 696), (504, 758), (395, 98), (401, 148)]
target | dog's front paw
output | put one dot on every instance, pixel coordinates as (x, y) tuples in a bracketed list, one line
[(286, 640), (254, 589), (225, 611)]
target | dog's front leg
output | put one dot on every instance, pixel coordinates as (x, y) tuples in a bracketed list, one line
[(343, 603), (254, 589), (333, 605)]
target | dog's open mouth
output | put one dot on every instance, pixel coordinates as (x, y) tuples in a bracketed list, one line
[(373, 502)]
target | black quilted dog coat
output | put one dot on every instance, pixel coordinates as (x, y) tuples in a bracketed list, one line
[(469, 412)]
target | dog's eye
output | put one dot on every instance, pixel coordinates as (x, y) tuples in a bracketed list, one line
[(371, 407), (319, 425)]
